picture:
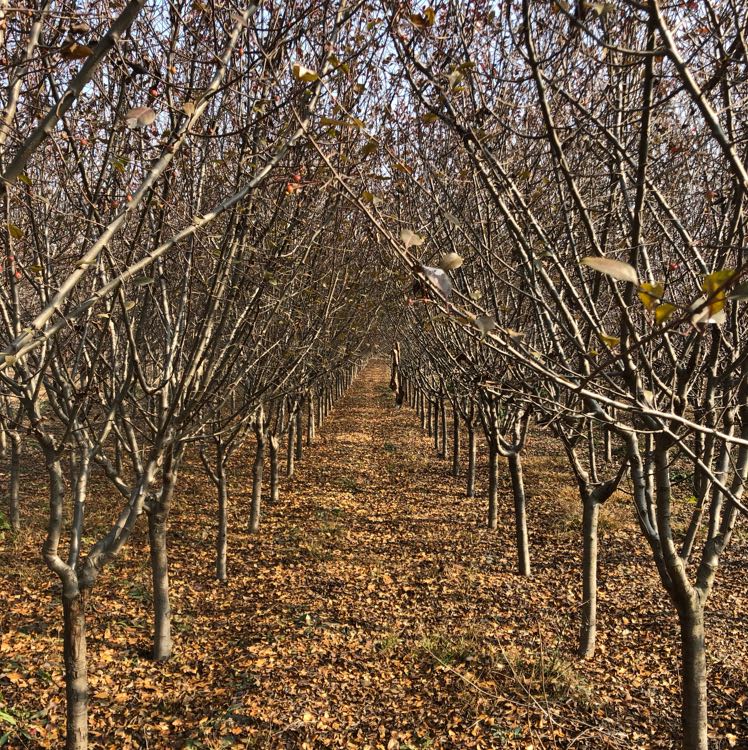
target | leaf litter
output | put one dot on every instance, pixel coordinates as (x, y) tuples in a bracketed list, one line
[(373, 610)]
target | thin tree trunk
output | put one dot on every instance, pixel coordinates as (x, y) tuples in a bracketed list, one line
[(256, 507), (520, 514), (442, 429), (493, 484), (588, 631), (455, 443), (158, 518), (310, 420), (694, 696), (472, 460), (429, 419), (435, 415), (274, 482), (14, 506), (223, 524), (290, 447), (76, 670), (300, 432)]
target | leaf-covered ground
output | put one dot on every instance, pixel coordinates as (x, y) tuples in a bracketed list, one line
[(374, 610)]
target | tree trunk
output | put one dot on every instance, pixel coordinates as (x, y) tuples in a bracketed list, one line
[(76, 671), (14, 506), (290, 447), (693, 688), (274, 483), (310, 420), (300, 432), (429, 419), (256, 507), (158, 518), (472, 456), (162, 643), (455, 443), (442, 429), (588, 631), (435, 414), (493, 484), (520, 514), (223, 524)]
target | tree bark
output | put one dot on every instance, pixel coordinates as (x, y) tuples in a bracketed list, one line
[(520, 514), (76, 670), (274, 482), (588, 630), (223, 523), (256, 507), (493, 484), (14, 506), (310, 420), (442, 429), (290, 466), (455, 443), (300, 432), (158, 518), (694, 695), (472, 451), (162, 642)]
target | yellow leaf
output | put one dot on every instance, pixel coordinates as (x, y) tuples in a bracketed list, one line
[(75, 51), (300, 73), (713, 286), (663, 311), (308, 716), (15, 232), (609, 341), (651, 294)]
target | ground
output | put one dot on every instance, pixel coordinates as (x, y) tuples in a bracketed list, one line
[(374, 610)]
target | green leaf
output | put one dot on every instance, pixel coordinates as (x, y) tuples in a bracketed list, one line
[(15, 231), (7, 718)]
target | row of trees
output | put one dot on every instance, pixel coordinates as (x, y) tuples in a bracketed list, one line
[(212, 211), (177, 282), (579, 177)]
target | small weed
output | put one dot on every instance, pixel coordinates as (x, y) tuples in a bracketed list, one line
[(505, 735), (387, 644), (391, 447), (449, 650), (548, 675)]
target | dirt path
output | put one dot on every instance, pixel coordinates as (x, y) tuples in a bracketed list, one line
[(373, 610)]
